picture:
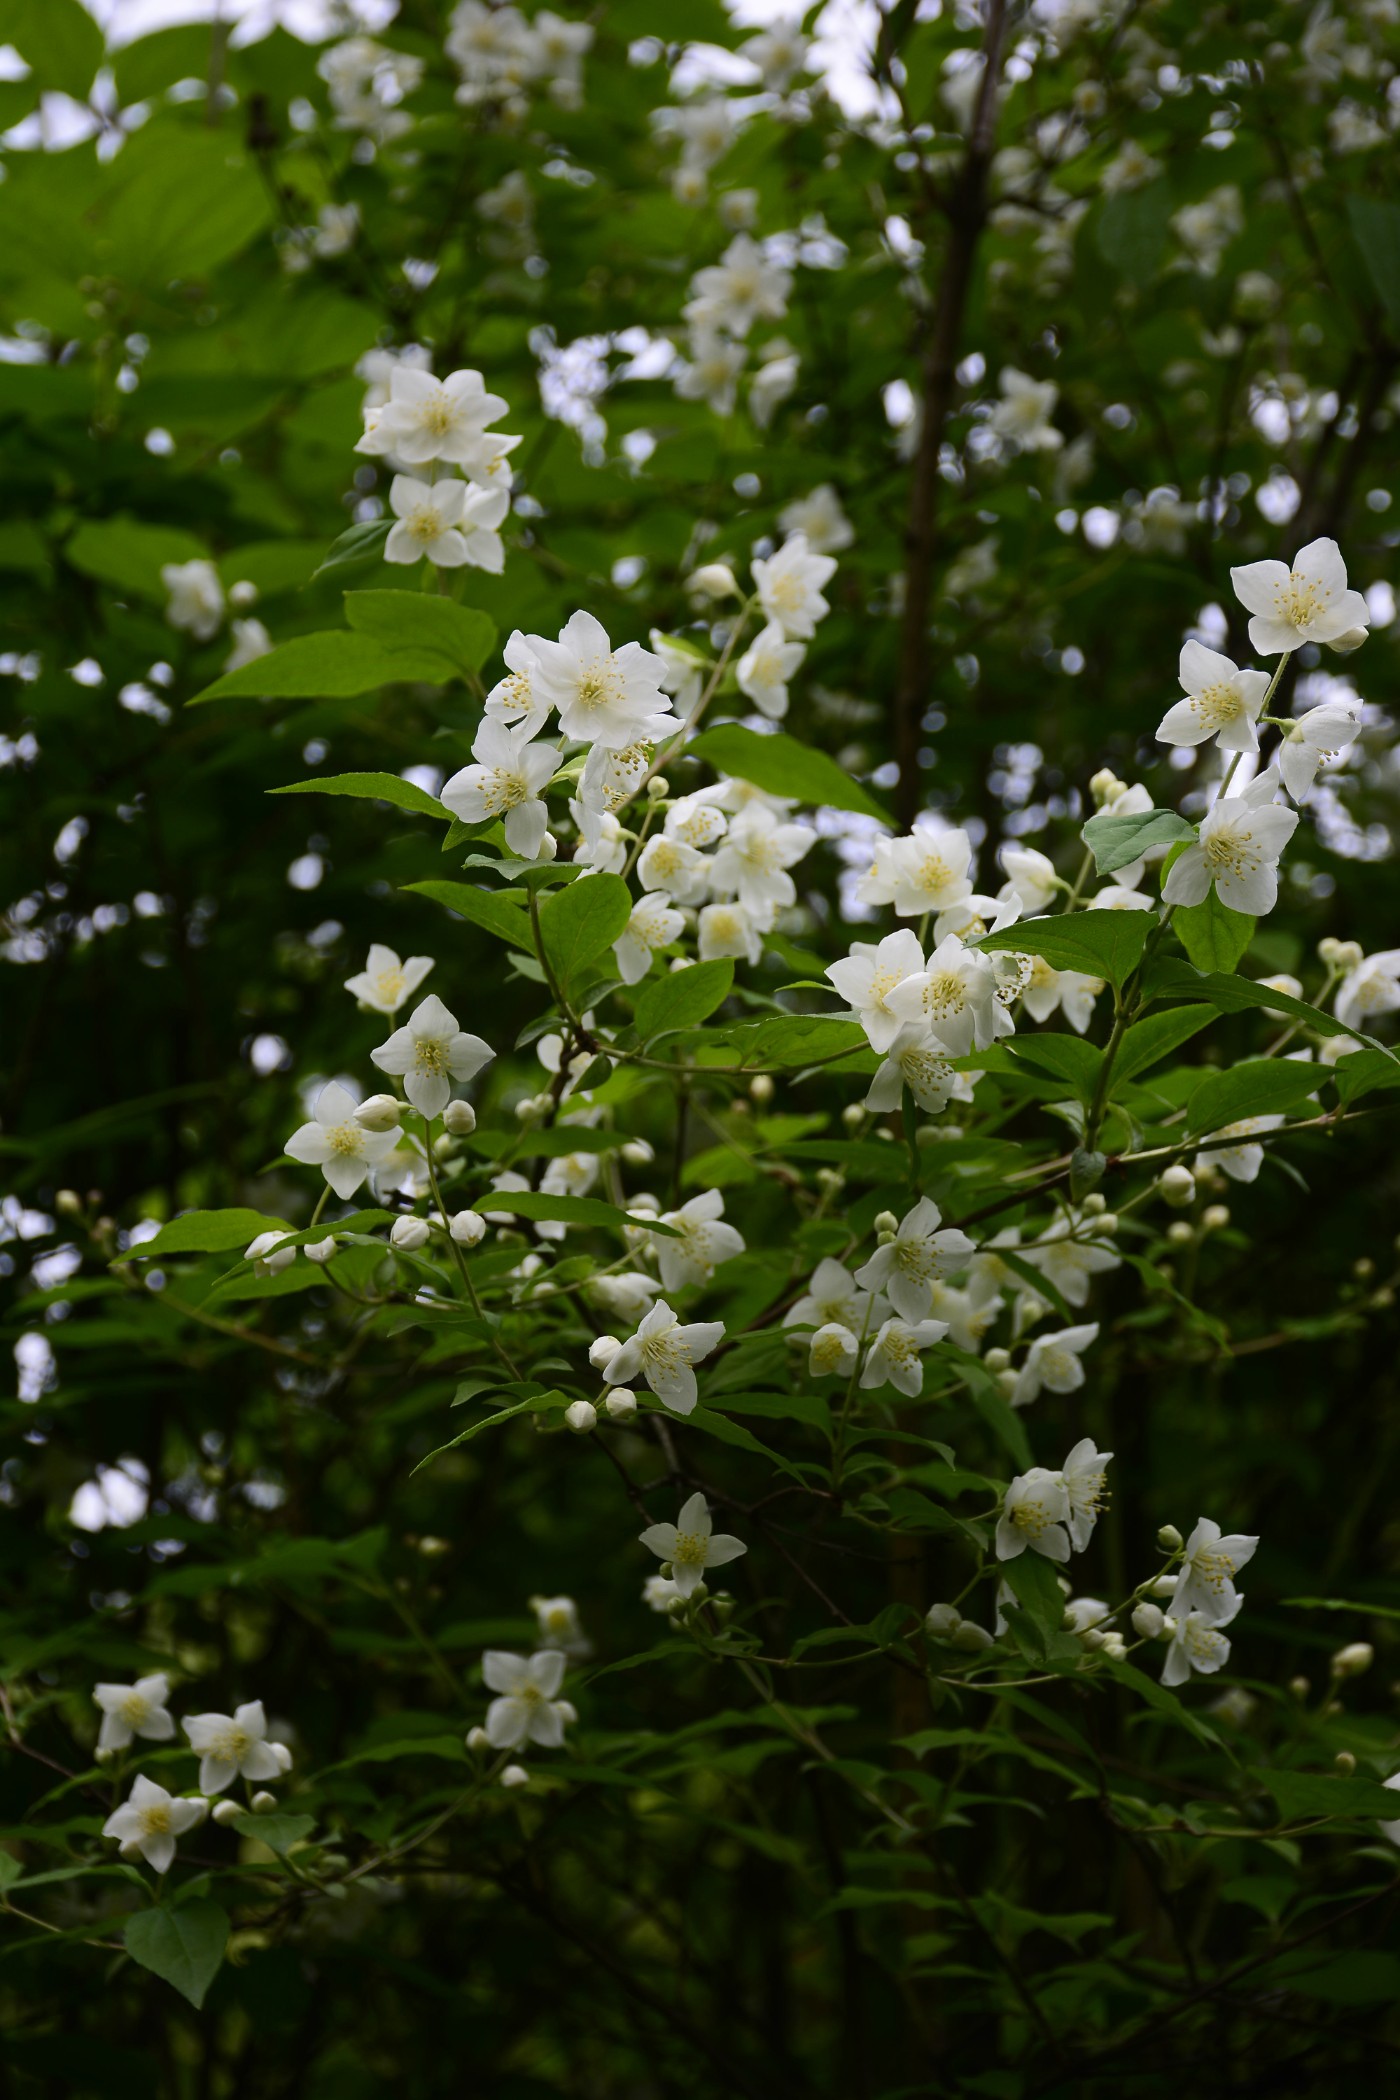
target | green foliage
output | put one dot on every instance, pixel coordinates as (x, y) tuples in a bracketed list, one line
[(181, 1943)]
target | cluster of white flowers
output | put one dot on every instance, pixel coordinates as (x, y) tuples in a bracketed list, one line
[(504, 57), (421, 426), (229, 1746), (367, 83)]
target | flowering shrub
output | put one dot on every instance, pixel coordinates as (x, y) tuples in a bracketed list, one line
[(733, 1308)]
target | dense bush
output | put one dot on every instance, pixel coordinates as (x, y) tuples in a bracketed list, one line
[(700, 1058)]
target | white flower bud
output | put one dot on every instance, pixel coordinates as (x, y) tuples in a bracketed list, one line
[(1299, 1687), (678, 1607), (1170, 1539), (242, 595), (1163, 1586), (658, 787), (886, 1221), (997, 1360), (1007, 1382), (1148, 1620), (1094, 1204), (1340, 955), (515, 1775), (266, 1262), (69, 1202), (1345, 1763), (283, 1756), (468, 1228), (567, 1711), (264, 1803), (1351, 1661), (853, 1115), (320, 1251), (408, 1234), (1106, 787), (548, 848), (1215, 1217), (602, 1352), (581, 1417), (714, 580), (478, 1740), (830, 1178), (226, 1812), (1177, 1186), (1107, 1225), (1113, 1644), (1179, 1233), (459, 1119), (942, 1621), (761, 1089), (380, 1112), (1345, 643), (621, 1404), (104, 1757), (971, 1637)]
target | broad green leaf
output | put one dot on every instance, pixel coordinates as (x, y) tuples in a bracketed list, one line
[(1039, 1625), (683, 997), (798, 1039), (495, 910), (206, 1232), (371, 787), (1130, 230), (1261, 1086), (277, 1831), (332, 666), (130, 555), (1307, 1794), (1064, 1057), (581, 921), (1117, 841), (156, 62), (360, 545), (182, 1943), (416, 620), (1364, 1073), (1375, 226), (1106, 944), (782, 766), (1214, 936), (1163, 1700), (1150, 1040), (1170, 979), (565, 1210), (58, 39)]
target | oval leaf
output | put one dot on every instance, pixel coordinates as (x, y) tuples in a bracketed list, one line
[(782, 766), (182, 1945)]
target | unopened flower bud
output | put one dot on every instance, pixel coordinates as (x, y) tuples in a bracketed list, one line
[(267, 1257), (1177, 1186), (1106, 1225), (1351, 1661), (1106, 787), (104, 1757), (432, 1548), (942, 1621), (468, 1228), (886, 1221), (1340, 955), (1094, 1205), (1300, 1687), (1345, 1763), (658, 787), (831, 1179), (381, 1112), (638, 1153), (971, 1637), (226, 1812), (1179, 1233), (621, 1404), (678, 1607), (1170, 1539), (853, 1115), (320, 1251), (1215, 1217), (478, 1740), (1114, 1644), (1345, 643), (515, 1775), (283, 1756), (264, 1803), (581, 1417), (408, 1234), (69, 1202), (602, 1352), (459, 1119), (714, 580), (761, 1089), (1147, 1620), (242, 595), (997, 1360), (548, 847), (1007, 1382)]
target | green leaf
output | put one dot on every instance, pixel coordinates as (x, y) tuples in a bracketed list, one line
[(206, 1232), (60, 41), (1163, 1700), (552, 1402), (1261, 1086), (371, 787), (361, 544), (181, 1943), (1214, 936), (683, 998), (1115, 841), (782, 766), (1363, 1073), (1032, 1577), (278, 1832), (156, 62), (1064, 1057), (798, 1039), (1375, 226), (415, 620), (129, 555), (578, 923), (1105, 944), (331, 666), (565, 1210), (1146, 1042), (1168, 978), (1130, 230), (495, 910), (1310, 1794)]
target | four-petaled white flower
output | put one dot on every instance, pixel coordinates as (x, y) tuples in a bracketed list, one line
[(506, 782), (833, 1352), (605, 696), (919, 1256), (150, 1820), (1083, 1476), (385, 982), (954, 999), (428, 1053), (1221, 701), (763, 671), (663, 1352), (428, 419), (1069, 1261), (528, 1709), (894, 1358), (1022, 416), (753, 861), (196, 597), (230, 1745), (653, 925), (669, 864), (691, 1545), (916, 1062), (134, 1709), (820, 519), (789, 585), (702, 1241), (429, 515), (1197, 1643), (334, 1141), (728, 929), (927, 871), (1206, 1582), (832, 1297), (1241, 839), (1069, 990), (741, 288), (1035, 1513), (1053, 1362), (867, 976), (1308, 603)]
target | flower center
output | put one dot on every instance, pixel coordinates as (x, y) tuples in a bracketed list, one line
[(424, 522), (1231, 852), (1214, 1568), (133, 1709), (388, 987), (155, 1820), (344, 1140), (1216, 705), (692, 1548), (943, 994), (430, 1056)]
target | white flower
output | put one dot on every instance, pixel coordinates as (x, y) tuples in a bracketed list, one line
[(1069, 1262), (557, 1619), (1197, 1643), (691, 1546), (1206, 1582), (251, 640), (871, 971), (753, 861), (696, 820), (915, 1061), (605, 696), (385, 982), (628, 1295), (514, 700), (260, 1253), (927, 871), (659, 1593), (507, 781), (663, 1352), (703, 1241), (669, 864), (602, 842), (430, 515), (654, 925), (820, 519), (1308, 603), (1070, 991), (833, 1352), (429, 1053), (728, 929), (1114, 897), (612, 774), (1053, 1360), (1083, 1476), (428, 419), (894, 1359), (713, 373), (1035, 1513), (1030, 876), (230, 1745), (832, 1298), (1222, 702), (789, 585), (527, 1710), (1240, 841), (763, 671), (1022, 416), (1242, 1160), (741, 288), (134, 1709), (779, 51), (150, 1820), (1315, 738), (196, 600), (907, 1267), (334, 1141), (953, 998), (1370, 987), (776, 378)]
